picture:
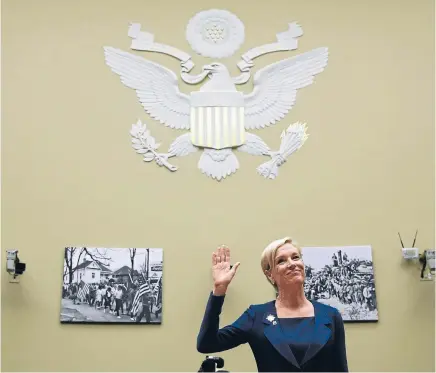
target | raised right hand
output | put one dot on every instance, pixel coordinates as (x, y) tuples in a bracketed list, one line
[(222, 274)]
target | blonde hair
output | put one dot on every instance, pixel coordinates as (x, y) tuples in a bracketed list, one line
[(267, 260)]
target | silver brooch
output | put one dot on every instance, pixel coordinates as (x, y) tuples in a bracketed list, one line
[(271, 318)]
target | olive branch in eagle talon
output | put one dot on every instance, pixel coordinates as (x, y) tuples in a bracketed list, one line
[(145, 144)]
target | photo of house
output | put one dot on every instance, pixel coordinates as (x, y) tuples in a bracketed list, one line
[(91, 271)]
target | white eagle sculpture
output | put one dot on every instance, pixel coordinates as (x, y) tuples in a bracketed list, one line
[(217, 116)]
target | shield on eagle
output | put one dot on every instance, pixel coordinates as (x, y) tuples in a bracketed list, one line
[(217, 119)]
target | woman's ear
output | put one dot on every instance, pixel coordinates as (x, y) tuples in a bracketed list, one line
[(268, 274)]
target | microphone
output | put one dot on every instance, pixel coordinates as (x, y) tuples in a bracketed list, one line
[(211, 363)]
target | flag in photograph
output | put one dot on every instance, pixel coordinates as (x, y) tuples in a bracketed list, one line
[(83, 290), (143, 289)]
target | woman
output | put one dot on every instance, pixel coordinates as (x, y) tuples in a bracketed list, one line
[(98, 298), (108, 300), (118, 301), (288, 334)]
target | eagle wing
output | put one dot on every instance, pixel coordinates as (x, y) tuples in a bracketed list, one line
[(155, 85), (276, 85)]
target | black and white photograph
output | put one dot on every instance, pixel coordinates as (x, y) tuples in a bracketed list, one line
[(112, 285), (342, 277)]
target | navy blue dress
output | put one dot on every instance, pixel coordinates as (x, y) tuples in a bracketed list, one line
[(317, 342), (299, 332)]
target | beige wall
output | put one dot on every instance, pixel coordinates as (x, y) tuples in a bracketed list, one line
[(70, 177)]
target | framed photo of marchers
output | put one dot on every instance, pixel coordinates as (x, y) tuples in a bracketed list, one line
[(342, 277), (112, 286)]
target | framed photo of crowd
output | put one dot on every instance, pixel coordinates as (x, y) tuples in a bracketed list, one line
[(112, 286), (342, 277)]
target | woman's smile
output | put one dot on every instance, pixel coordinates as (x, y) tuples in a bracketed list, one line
[(293, 271)]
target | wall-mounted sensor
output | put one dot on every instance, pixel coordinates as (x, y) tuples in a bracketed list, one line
[(13, 264), (409, 253)]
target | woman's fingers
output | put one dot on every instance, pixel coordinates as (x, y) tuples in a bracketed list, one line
[(227, 254), (216, 256), (221, 254)]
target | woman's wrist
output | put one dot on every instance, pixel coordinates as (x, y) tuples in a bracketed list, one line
[(219, 290)]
